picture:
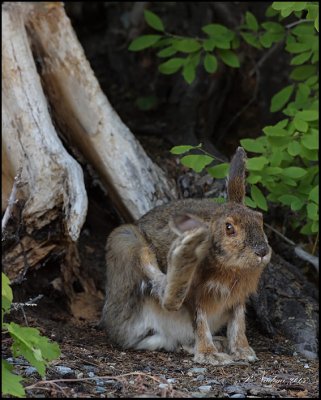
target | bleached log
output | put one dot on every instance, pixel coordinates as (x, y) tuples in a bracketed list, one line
[(87, 119), (53, 179)]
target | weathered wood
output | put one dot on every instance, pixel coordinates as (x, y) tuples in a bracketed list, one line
[(88, 121), (52, 177)]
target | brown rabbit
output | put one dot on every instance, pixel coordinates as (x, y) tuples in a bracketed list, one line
[(183, 271)]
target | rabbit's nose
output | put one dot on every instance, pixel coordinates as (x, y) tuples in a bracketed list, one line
[(261, 251)]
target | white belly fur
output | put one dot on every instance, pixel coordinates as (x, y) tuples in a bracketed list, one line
[(172, 329)]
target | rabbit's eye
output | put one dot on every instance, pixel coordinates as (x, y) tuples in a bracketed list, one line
[(229, 228)]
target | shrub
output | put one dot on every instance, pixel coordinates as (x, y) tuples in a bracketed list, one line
[(285, 158)]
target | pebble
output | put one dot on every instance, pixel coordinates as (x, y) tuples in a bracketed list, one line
[(80, 375), (295, 353), (90, 368), (90, 374), (198, 370), (306, 366), (171, 380), (237, 396), (63, 370), (214, 382), (163, 386), (200, 377), (233, 389), (205, 388), (30, 371), (100, 389)]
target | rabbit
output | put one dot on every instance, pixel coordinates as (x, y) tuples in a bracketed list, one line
[(183, 271)]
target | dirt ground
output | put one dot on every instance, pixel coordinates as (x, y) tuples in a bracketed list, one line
[(89, 366)]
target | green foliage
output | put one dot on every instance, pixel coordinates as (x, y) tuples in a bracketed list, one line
[(27, 342), (284, 167)]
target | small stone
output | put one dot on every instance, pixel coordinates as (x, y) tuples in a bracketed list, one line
[(100, 389), (233, 389), (237, 396), (189, 374), (163, 386), (30, 371), (90, 374), (198, 370), (63, 370), (200, 377), (185, 361), (214, 382), (90, 368), (131, 382), (306, 366), (80, 375), (171, 380), (122, 353), (295, 353), (205, 388)]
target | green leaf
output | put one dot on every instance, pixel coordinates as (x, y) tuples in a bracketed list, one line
[(189, 73), (275, 131), (312, 210), (303, 72), (229, 58), (273, 170), (219, 171), (209, 44), (146, 103), (259, 198), (196, 161), (300, 125), (314, 194), (288, 199), (143, 42), (33, 347), (282, 5), (187, 45), (181, 149), (253, 178), (10, 382), (253, 145), (280, 99), (310, 141), (249, 202), (270, 12), (167, 52), (171, 66), (6, 293), (251, 39), (251, 21), (294, 172), (153, 20), (297, 204), (218, 30), (301, 58), (316, 23), (308, 115), (210, 63), (256, 163), (294, 148), (307, 229), (273, 27), (296, 47)]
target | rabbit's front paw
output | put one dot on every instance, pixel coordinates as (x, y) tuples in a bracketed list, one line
[(191, 245), (213, 358), (246, 353)]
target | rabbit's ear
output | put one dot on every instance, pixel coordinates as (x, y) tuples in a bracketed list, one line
[(236, 179), (181, 223)]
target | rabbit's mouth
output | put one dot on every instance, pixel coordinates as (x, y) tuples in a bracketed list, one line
[(264, 259)]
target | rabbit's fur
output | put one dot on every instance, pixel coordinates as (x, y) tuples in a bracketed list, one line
[(180, 273)]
